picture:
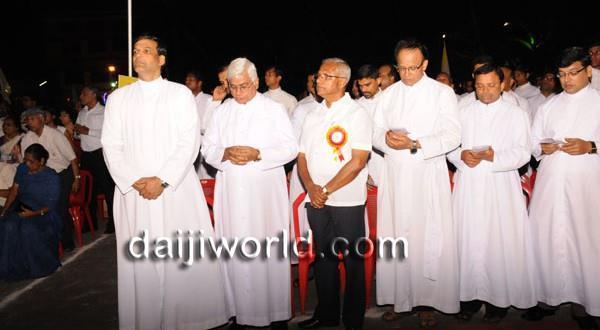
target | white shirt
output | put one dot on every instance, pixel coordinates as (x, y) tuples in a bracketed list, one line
[(596, 79), (57, 145), (322, 159), (203, 102), (281, 96), (536, 102), (92, 119), (527, 91)]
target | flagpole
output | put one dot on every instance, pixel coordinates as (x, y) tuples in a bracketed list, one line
[(129, 38)]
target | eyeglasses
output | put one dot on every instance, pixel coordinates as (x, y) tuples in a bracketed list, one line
[(411, 69), (242, 88), (326, 76), (563, 75)]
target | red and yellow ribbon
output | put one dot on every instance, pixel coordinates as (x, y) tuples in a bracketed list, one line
[(337, 138)]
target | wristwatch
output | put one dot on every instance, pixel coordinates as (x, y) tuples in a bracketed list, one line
[(41, 212), (164, 184), (258, 156), (413, 147), (594, 150), (325, 191)]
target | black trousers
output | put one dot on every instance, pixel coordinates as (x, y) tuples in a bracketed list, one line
[(103, 183), (66, 183), (473, 306), (329, 225)]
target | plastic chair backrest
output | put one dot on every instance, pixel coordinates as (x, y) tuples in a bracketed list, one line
[(84, 195)]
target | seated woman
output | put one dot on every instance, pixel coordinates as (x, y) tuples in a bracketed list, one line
[(30, 227), (9, 154)]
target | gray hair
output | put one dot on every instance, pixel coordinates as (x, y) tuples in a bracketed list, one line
[(241, 65), (343, 69)]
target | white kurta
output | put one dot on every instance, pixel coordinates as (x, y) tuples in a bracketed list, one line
[(252, 201), (375, 164), (493, 230), (564, 207), (527, 91), (151, 129), (286, 99), (414, 198), (305, 106), (536, 102)]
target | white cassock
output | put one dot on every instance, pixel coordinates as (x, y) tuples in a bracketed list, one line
[(564, 206), (375, 164), (151, 129), (305, 106), (286, 99), (493, 230), (509, 96), (414, 199), (595, 79), (203, 103), (252, 201)]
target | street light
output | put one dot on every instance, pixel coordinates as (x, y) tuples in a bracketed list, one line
[(112, 68)]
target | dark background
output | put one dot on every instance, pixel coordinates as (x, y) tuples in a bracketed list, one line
[(71, 43)]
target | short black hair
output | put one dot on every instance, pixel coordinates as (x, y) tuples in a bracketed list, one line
[(37, 151), (523, 68), (277, 69), (367, 71), (16, 121), (487, 68), (482, 59), (94, 90), (572, 55), (393, 70), (196, 74), (160, 46), (411, 43)]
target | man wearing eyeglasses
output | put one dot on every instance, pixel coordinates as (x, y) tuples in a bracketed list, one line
[(248, 141), (334, 148), (416, 124), (564, 206), (594, 51)]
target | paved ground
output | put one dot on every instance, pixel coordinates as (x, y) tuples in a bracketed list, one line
[(83, 295)]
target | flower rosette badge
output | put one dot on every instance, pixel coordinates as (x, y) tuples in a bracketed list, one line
[(337, 138)]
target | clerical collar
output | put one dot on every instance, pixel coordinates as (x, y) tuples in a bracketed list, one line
[(152, 82), (581, 93), (493, 104)]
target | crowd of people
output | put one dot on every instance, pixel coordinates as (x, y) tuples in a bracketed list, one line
[(448, 170)]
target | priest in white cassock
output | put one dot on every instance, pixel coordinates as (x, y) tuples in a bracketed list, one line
[(273, 76), (564, 207), (248, 141), (368, 83), (493, 230), (304, 107), (150, 139), (416, 124), (548, 86), (594, 51)]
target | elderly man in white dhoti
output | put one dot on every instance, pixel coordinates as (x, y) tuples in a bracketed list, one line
[(150, 139)]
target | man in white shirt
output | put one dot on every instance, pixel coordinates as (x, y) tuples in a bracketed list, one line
[(548, 87), (89, 127), (368, 82), (62, 160), (564, 206), (334, 148), (248, 141), (416, 124), (594, 52), (388, 75), (193, 81), (524, 88), (489, 209), (273, 76)]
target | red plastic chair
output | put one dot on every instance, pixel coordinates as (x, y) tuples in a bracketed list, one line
[(370, 250), (100, 199), (79, 206), (305, 254), (208, 186)]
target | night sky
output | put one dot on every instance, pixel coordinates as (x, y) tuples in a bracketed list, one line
[(297, 34)]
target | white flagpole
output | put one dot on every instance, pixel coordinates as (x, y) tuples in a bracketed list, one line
[(129, 38)]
